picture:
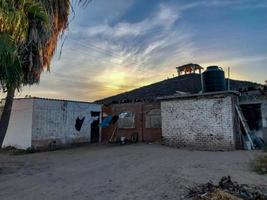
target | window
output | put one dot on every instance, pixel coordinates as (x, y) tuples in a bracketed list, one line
[(128, 121), (153, 119)]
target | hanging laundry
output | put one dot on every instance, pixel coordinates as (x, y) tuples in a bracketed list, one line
[(123, 115), (106, 121), (114, 119), (104, 114), (95, 118), (79, 123), (90, 119)]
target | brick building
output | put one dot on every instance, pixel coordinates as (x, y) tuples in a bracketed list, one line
[(143, 120), (203, 121)]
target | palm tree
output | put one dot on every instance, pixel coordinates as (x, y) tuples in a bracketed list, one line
[(29, 31)]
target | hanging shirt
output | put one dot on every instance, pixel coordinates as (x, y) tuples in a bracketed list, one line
[(106, 121)]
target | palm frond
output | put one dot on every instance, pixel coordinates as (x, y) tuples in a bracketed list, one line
[(10, 69), (34, 27)]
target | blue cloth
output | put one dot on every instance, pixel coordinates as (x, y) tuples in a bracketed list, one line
[(106, 121)]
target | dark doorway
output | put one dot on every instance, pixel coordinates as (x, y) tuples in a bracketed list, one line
[(95, 128), (252, 113)]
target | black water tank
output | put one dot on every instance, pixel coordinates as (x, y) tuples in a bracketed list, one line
[(213, 79)]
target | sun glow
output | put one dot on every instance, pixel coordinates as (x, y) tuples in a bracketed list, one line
[(113, 79)]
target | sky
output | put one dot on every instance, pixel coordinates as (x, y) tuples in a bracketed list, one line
[(115, 46)]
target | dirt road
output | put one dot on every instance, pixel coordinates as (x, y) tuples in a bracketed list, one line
[(118, 172)]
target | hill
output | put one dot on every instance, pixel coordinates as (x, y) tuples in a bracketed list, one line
[(190, 83)]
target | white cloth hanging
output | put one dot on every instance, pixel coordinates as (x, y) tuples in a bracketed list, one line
[(123, 115)]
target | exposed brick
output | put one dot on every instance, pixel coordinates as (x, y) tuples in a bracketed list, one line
[(139, 109), (199, 123)]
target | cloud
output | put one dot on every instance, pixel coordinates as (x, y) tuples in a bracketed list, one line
[(244, 4), (106, 54), (109, 59), (164, 18)]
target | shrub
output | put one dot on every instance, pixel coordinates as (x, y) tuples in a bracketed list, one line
[(259, 164)]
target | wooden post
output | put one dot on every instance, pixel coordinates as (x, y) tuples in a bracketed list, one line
[(229, 78)]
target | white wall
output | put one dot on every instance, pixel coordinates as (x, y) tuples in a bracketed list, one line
[(201, 123), (20, 124), (54, 120)]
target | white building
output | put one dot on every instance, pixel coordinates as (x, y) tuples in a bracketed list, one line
[(46, 123), (202, 121)]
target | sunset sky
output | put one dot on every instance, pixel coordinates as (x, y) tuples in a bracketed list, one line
[(114, 46)]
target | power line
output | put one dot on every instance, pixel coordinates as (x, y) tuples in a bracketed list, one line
[(92, 55), (100, 50)]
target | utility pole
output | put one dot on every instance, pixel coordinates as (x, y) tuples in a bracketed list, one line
[(229, 78)]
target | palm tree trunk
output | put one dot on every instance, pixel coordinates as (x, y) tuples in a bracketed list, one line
[(4, 121)]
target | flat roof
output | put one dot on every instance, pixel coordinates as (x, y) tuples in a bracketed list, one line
[(206, 94), (51, 99), (189, 65)]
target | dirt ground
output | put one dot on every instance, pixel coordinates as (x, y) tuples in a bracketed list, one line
[(128, 172)]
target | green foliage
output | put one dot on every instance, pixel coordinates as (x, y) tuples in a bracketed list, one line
[(36, 11), (10, 68), (33, 28), (14, 151), (259, 164), (16, 17)]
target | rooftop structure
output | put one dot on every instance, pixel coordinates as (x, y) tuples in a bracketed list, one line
[(189, 69)]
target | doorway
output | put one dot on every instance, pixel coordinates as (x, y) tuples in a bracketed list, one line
[(95, 128), (252, 113)]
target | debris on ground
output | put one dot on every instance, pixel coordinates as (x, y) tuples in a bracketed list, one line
[(225, 190)]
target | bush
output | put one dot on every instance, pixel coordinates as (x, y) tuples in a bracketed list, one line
[(14, 151), (260, 164)]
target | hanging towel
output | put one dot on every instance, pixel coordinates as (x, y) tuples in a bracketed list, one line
[(106, 121)]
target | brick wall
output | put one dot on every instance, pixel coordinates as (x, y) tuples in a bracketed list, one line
[(205, 123), (150, 134), (139, 109), (106, 132)]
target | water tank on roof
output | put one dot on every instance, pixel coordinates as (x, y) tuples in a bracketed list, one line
[(213, 79)]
